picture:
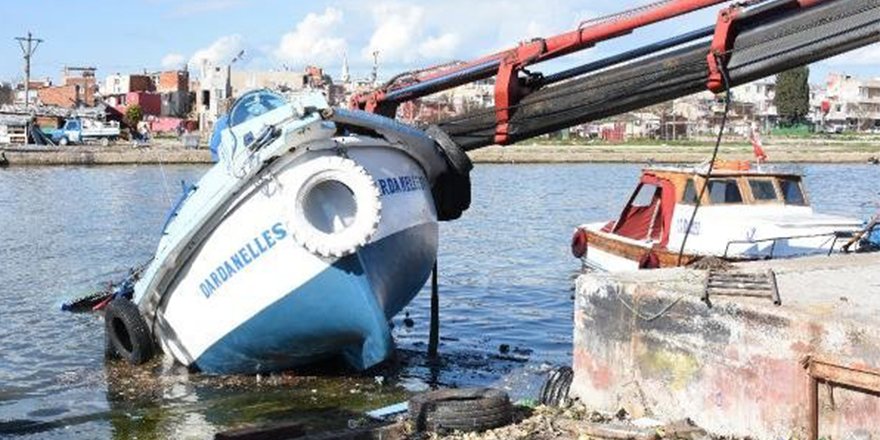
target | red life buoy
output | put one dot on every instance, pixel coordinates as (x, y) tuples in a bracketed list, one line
[(579, 243)]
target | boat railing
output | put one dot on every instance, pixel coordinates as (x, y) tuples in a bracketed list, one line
[(834, 235)]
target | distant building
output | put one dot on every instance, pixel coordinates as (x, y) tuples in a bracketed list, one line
[(755, 101), (163, 94), (213, 95), (78, 88), (245, 81), (850, 103), (173, 88), (119, 84), (171, 81)]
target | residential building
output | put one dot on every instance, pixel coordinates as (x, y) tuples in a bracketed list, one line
[(78, 88), (850, 103), (214, 94), (282, 80), (755, 102), (119, 84), (173, 87)]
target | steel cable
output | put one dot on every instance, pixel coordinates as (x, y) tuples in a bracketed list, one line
[(794, 39), (726, 82)]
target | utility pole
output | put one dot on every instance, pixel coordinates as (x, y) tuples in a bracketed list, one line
[(28, 52), (374, 76)]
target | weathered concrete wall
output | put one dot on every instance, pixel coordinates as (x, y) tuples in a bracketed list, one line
[(118, 155), (735, 369)]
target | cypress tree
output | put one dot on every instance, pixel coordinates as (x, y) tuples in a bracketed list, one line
[(793, 95)]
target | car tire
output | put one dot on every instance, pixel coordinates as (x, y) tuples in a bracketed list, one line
[(466, 410), (127, 332)]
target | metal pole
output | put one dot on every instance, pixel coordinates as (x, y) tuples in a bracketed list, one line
[(434, 335), (28, 52), (813, 409)]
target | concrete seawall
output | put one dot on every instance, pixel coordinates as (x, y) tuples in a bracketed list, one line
[(170, 151), (646, 342), (102, 156), (782, 153)]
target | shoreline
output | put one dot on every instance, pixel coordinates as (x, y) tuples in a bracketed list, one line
[(170, 152)]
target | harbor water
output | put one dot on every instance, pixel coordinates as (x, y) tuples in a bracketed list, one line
[(506, 278)]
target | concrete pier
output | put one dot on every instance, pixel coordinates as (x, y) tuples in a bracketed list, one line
[(646, 342), (113, 155)]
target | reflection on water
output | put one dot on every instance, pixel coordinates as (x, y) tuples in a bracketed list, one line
[(505, 281)]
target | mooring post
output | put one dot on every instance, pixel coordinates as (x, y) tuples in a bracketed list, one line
[(434, 335)]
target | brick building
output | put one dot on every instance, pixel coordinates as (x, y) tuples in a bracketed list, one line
[(77, 89)]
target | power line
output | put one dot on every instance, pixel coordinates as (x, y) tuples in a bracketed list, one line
[(28, 52)]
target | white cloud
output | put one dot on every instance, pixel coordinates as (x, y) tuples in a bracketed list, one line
[(439, 47), (221, 51), (397, 34), (314, 39), (869, 55), (418, 33), (173, 61)]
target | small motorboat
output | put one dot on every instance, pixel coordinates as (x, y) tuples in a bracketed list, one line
[(313, 230), (746, 213)]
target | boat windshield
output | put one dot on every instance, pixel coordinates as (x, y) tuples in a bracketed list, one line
[(791, 191), (690, 193), (763, 190), (724, 191), (253, 104)]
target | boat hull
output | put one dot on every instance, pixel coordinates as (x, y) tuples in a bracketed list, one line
[(287, 306), (611, 253), (337, 312)]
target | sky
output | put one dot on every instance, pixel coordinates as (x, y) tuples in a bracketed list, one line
[(133, 35)]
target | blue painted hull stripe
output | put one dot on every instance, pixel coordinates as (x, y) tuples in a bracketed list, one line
[(343, 310)]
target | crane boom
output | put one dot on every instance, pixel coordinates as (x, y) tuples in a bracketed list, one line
[(509, 62), (517, 96), (765, 41)]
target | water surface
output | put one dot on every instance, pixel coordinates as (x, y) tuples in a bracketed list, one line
[(505, 282)]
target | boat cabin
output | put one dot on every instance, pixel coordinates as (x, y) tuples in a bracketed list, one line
[(649, 213), (744, 213)]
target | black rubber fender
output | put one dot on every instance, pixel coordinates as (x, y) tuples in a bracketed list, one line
[(452, 195), (466, 410), (126, 332), (458, 160), (452, 189)]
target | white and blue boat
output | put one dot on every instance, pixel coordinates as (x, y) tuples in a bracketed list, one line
[(315, 227)]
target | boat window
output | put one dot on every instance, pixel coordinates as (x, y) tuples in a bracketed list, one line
[(791, 191), (645, 197), (690, 193), (253, 104), (762, 189), (724, 191)]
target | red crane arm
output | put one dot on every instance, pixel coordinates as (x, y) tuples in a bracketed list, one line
[(506, 65), (534, 51)]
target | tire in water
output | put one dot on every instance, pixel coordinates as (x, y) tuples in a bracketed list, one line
[(126, 332), (466, 410), (554, 392)]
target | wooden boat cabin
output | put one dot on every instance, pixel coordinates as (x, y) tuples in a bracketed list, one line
[(744, 213)]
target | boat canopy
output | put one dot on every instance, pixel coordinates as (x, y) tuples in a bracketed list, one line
[(648, 215)]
